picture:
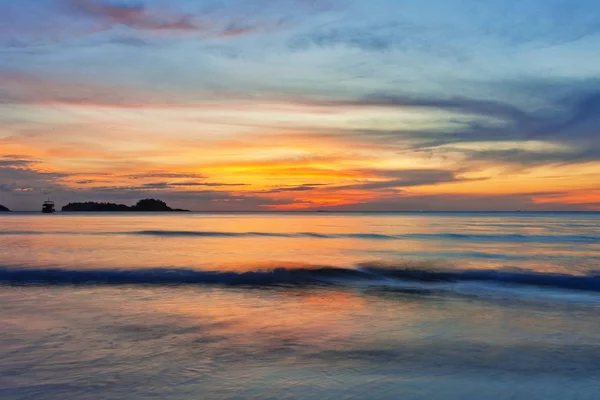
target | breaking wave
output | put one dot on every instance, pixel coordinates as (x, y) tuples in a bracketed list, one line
[(511, 238), (296, 276), (377, 236)]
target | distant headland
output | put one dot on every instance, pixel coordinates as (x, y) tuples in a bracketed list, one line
[(3, 209), (147, 205)]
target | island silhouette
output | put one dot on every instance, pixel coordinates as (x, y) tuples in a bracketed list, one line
[(3, 209), (145, 205)]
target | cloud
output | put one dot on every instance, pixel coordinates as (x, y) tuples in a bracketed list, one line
[(402, 179), (569, 126), (238, 29), (178, 185), (376, 186), (22, 88), (300, 188), (47, 24), (367, 38), (462, 202), (159, 174), (15, 162), (129, 41), (526, 159), (135, 16), (565, 120), (24, 175), (487, 108), (396, 35), (209, 184)]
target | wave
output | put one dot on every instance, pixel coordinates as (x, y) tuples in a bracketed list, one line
[(516, 238), (378, 236), (171, 276), (510, 237), (297, 276), (206, 234)]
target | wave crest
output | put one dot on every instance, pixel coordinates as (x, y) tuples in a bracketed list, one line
[(507, 238), (297, 276)]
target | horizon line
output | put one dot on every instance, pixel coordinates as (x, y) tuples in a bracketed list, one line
[(313, 211)]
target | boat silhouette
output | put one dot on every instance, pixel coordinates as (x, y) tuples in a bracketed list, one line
[(48, 207)]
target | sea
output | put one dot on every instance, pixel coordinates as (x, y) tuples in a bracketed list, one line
[(300, 306)]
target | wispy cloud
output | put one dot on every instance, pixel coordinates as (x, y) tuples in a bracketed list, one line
[(571, 123), (135, 16), (26, 175), (159, 174), (402, 179), (177, 185), (366, 37), (66, 20), (300, 188), (15, 162)]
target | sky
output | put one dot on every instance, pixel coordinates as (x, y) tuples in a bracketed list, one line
[(272, 105)]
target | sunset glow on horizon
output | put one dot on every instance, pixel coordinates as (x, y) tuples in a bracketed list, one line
[(301, 105)]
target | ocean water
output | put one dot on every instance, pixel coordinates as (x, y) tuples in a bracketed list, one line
[(300, 306)]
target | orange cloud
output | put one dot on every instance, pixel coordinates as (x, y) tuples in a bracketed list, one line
[(589, 197), (280, 153)]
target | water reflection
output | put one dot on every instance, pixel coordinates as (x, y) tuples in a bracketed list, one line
[(343, 335), (101, 241)]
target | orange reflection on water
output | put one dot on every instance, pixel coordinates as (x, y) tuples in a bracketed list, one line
[(248, 242)]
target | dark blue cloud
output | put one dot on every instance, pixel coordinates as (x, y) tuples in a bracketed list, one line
[(392, 179), (300, 188), (22, 175), (572, 121)]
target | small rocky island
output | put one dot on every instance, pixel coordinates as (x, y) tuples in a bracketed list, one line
[(3, 209), (151, 205)]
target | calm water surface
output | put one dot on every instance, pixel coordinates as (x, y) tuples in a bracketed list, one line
[(310, 306)]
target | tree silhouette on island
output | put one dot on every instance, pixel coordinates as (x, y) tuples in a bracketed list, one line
[(145, 205)]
